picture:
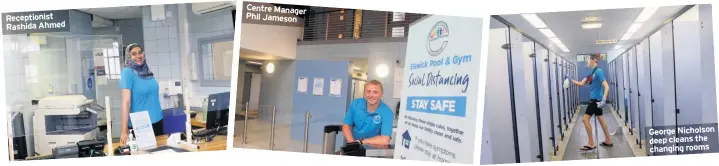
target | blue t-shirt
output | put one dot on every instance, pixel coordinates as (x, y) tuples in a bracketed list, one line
[(145, 95), (367, 125), (596, 89)]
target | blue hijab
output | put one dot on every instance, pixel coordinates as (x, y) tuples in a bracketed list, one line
[(141, 70)]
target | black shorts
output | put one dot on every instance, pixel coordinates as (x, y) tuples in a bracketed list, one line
[(592, 108), (157, 127)]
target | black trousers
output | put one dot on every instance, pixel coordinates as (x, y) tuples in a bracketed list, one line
[(158, 127), (593, 109)]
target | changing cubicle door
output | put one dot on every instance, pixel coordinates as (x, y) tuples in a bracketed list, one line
[(695, 91), (647, 92), (551, 89), (610, 82), (567, 97), (615, 85), (524, 116), (632, 79), (531, 93), (546, 114), (555, 95), (662, 68), (644, 91), (560, 97), (501, 141), (608, 75), (625, 89)]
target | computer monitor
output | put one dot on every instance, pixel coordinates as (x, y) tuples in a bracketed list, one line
[(218, 108)]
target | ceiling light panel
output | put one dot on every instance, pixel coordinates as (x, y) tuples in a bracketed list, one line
[(535, 20), (556, 41), (591, 25), (627, 36), (634, 27), (646, 14), (548, 33), (591, 19)]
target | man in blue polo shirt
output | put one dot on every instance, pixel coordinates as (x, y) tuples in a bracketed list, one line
[(369, 120), (598, 89)]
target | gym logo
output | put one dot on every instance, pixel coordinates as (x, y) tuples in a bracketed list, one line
[(142, 127), (438, 38), (376, 119)]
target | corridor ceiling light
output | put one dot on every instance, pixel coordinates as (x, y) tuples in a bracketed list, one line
[(646, 14), (616, 47), (591, 25), (548, 32), (590, 19), (270, 68), (634, 27), (627, 36), (564, 48), (382, 70), (535, 20), (556, 41)]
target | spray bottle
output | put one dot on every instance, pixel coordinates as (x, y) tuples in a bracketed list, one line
[(132, 142)]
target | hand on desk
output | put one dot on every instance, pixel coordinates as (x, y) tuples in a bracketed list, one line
[(123, 138)]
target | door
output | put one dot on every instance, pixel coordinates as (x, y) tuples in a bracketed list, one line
[(499, 126), (546, 115), (255, 85)]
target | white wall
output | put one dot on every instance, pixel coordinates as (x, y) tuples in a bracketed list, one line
[(278, 41), (376, 52)]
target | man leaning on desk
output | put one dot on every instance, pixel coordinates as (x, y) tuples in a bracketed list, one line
[(369, 120)]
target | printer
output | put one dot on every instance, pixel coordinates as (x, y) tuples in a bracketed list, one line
[(64, 120)]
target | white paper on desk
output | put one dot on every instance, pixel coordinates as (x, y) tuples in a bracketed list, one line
[(302, 85), (142, 126), (336, 87), (318, 86)]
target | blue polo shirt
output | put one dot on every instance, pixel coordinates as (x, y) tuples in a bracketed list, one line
[(367, 125), (596, 89), (145, 94)]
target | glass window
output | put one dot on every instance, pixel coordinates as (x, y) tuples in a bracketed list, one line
[(216, 62), (112, 60)]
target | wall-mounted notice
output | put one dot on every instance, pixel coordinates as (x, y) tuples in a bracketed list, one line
[(269, 14), (99, 60), (302, 85), (439, 93), (335, 87), (36, 22), (318, 86), (398, 77)]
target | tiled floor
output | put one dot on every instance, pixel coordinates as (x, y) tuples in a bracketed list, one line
[(579, 137), (259, 137)]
